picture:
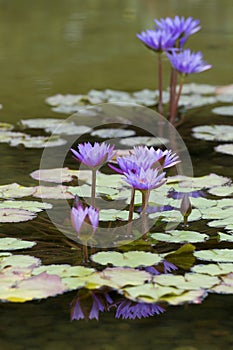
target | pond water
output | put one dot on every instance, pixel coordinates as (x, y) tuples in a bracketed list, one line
[(51, 47)]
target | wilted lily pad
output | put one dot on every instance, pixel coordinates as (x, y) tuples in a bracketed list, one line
[(15, 215), (143, 140), (217, 255), (180, 236), (129, 259), (112, 133), (226, 149), (223, 110), (15, 244), (213, 132)]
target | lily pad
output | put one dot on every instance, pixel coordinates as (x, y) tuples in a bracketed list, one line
[(226, 286), (114, 214), (143, 140), (213, 132), (32, 206), (112, 133), (38, 141), (64, 270), (40, 123), (214, 269), (85, 191), (226, 149), (191, 296), (223, 110), (59, 175), (129, 259), (206, 181), (17, 261), (15, 244), (52, 192), (222, 191), (5, 126), (15, 190), (15, 215), (69, 129), (180, 236), (202, 89), (217, 255)]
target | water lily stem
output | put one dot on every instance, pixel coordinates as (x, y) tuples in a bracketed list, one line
[(85, 253), (176, 101), (131, 209), (93, 187), (160, 85), (145, 199)]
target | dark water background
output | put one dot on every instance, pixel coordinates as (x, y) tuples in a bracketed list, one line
[(72, 46)]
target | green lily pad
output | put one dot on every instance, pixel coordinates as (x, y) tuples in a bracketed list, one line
[(18, 261), (181, 236), (112, 133), (5, 126), (150, 292), (32, 206), (59, 175), (196, 100), (15, 215), (202, 89), (69, 129), (114, 214), (213, 132), (221, 223), (64, 270), (222, 191), (15, 190), (203, 202), (52, 192), (214, 269), (190, 281), (217, 255), (223, 110), (36, 287), (143, 140), (182, 257), (207, 181), (226, 285), (191, 296), (225, 237), (216, 213), (226, 149), (38, 141), (40, 123), (15, 244), (85, 191), (129, 259), (175, 216)]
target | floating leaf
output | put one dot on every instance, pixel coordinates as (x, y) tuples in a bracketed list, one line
[(129, 259), (213, 132), (64, 270), (5, 126), (36, 287), (192, 296), (217, 255), (52, 192), (175, 216), (112, 133), (216, 213), (69, 129), (223, 110), (15, 190), (222, 191), (32, 206), (193, 101), (177, 236), (182, 257), (15, 215), (214, 269), (202, 89), (38, 141), (143, 140), (221, 223), (60, 175), (85, 191), (226, 149), (226, 286), (225, 237), (207, 181), (40, 123), (17, 261), (15, 244), (114, 214)]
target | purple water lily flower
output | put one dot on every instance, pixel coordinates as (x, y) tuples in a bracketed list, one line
[(168, 266), (187, 62), (130, 310), (179, 26), (145, 180), (81, 216), (158, 40), (93, 156)]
